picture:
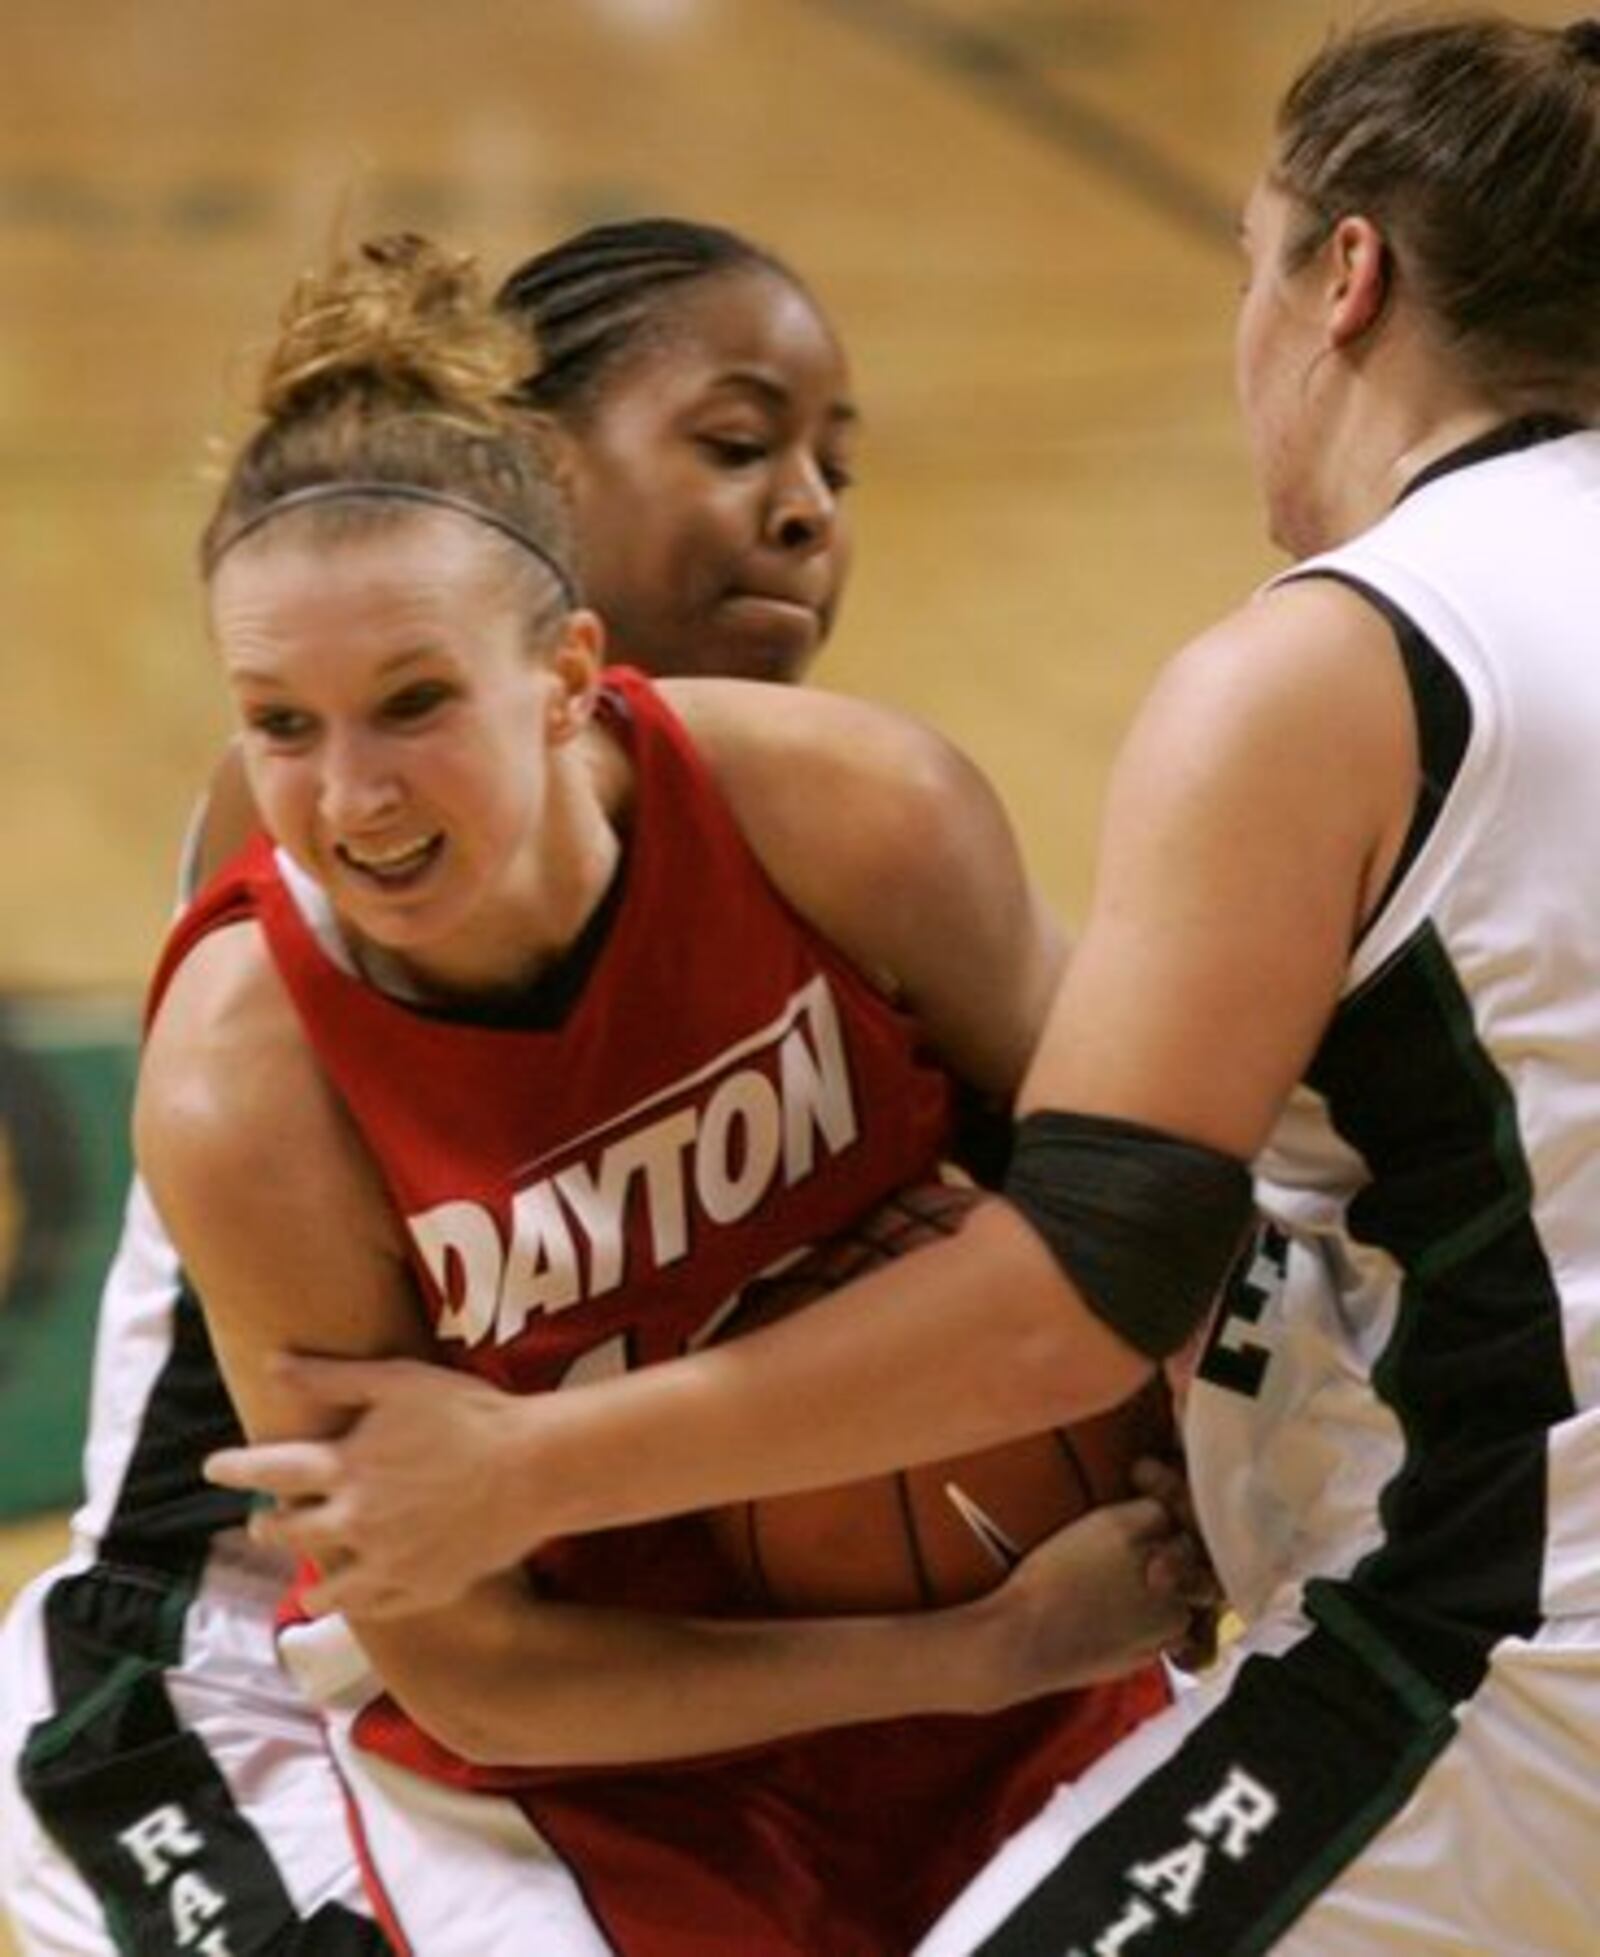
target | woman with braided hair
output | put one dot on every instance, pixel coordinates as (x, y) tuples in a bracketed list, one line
[(712, 435)]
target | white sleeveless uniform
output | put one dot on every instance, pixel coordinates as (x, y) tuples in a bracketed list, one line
[(1395, 1436), (163, 1786)]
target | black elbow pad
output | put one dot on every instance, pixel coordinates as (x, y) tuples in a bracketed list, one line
[(1145, 1225)]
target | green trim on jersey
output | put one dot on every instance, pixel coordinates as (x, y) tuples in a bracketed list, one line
[(1475, 1369)]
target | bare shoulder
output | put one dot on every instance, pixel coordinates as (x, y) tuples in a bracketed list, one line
[(1309, 659), (835, 783), (271, 1198), (1254, 814), (1293, 714), (737, 721), (224, 1056), (233, 1115), (896, 848)]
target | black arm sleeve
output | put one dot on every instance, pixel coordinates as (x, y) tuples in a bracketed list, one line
[(1144, 1224)]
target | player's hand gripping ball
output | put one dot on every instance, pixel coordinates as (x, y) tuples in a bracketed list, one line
[(934, 1534)]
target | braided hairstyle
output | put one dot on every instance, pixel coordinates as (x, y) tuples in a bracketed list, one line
[(393, 368), (597, 297)]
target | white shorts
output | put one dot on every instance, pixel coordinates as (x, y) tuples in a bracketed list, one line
[(462, 1874), (157, 1768), (53, 1912), (1302, 1801), (840, 1845), (452, 1871)]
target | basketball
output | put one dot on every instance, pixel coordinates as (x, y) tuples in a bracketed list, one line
[(947, 1530)]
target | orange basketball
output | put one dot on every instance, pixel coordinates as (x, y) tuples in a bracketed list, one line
[(934, 1534)]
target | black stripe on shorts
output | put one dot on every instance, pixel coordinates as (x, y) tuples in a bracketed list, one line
[(1225, 1843), (139, 1806)]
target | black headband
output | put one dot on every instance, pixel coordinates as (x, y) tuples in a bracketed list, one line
[(398, 492)]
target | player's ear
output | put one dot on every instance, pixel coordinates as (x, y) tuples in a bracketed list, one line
[(574, 663), (1360, 274)]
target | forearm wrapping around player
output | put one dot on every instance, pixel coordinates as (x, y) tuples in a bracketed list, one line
[(916, 1362), (504, 1679), (847, 1390)]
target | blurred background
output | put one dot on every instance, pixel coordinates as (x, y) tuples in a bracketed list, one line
[(1020, 213)]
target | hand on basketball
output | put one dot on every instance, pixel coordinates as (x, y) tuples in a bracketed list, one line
[(1109, 1592), (405, 1509), (1183, 1564)]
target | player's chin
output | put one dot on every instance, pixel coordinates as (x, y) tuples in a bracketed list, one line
[(765, 639)]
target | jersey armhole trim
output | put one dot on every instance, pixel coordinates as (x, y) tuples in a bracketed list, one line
[(1443, 713)]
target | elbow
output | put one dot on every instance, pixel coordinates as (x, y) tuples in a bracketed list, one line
[(493, 1679), (452, 1720), (469, 1737), (493, 1736), (464, 1693), (1059, 1360), (494, 1721)]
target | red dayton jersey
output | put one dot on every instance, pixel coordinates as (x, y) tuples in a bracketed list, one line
[(586, 1193)]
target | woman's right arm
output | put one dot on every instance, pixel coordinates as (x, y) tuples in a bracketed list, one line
[(504, 1680)]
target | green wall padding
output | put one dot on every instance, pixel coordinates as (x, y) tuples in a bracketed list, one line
[(66, 1083)]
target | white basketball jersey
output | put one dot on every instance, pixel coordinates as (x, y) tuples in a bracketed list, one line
[(1406, 1391)]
